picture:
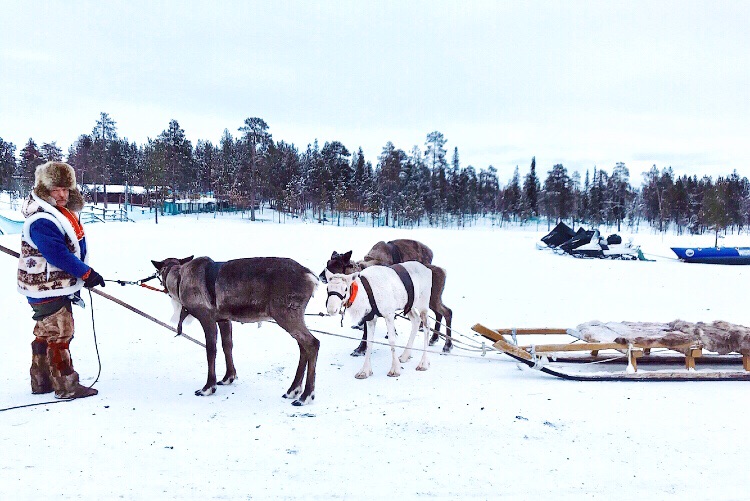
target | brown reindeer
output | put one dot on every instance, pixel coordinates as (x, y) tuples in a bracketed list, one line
[(382, 253), (395, 252), (245, 290)]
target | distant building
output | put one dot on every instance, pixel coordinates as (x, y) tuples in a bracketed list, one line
[(115, 194)]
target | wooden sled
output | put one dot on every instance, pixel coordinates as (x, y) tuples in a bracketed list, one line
[(631, 355)]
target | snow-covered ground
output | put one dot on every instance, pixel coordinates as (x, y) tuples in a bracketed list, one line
[(469, 427)]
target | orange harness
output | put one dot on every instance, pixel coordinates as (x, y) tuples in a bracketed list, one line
[(352, 295), (164, 290)]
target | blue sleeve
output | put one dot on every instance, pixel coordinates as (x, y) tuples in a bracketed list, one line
[(51, 243)]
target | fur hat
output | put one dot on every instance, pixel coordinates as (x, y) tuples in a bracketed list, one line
[(57, 174)]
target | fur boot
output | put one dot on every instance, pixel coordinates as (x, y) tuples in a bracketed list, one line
[(64, 378), (69, 387), (40, 370)]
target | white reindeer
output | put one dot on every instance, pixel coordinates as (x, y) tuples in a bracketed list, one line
[(390, 296)]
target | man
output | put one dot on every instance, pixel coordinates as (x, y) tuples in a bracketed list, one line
[(52, 269)]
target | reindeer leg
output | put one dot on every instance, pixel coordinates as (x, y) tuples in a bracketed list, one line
[(296, 386), (225, 327), (366, 370), (395, 365), (436, 332), (209, 328), (183, 315), (424, 364), (311, 346), (415, 323), (293, 322), (360, 350), (448, 314)]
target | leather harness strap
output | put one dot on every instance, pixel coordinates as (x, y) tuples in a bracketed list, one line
[(371, 297), (212, 271), (408, 285), (396, 256)]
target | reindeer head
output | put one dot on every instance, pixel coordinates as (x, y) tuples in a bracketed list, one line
[(341, 290), (163, 267), (339, 263)]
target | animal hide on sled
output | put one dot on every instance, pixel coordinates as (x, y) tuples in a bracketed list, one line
[(719, 336)]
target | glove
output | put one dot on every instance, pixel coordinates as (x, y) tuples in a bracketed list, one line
[(93, 280)]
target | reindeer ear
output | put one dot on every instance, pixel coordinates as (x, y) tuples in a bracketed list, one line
[(353, 276), (157, 264), (328, 275), (347, 256), (185, 260), (334, 255)]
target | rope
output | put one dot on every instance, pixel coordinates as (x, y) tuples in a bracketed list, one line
[(123, 304), (477, 348), (388, 344), (146, 315), (672, 258)]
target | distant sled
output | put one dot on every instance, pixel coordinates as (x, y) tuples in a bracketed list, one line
[(713, 255), (589, 244)]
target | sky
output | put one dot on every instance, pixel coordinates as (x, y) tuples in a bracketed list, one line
[(579, 83)]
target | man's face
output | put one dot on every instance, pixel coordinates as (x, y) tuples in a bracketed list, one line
[(60, 195)]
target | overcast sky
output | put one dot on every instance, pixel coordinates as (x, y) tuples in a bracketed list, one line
[(579, 83)]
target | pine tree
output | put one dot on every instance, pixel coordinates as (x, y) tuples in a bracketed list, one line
[(103, 133), (390, 165), (434, 156), (31, 157), (715, 213), (178, 158), (530, 194), (256, 141), (620, 192), (489, 190), (512, 199), (51, 152), (558, 196), (81, 155), (7, 164)]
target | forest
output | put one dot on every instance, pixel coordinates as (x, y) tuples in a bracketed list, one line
[(426, 186)]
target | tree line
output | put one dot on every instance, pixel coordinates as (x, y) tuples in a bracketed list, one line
[(250, 170)]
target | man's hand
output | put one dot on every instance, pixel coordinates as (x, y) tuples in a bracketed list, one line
[(93, 280)]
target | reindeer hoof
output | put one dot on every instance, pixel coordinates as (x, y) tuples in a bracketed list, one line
[(362, 375), (393, 374), (423, 367), (304, 401), (227, 380), (357, 353), (404, 359), (292, 393), (204, 392), (447, 348)]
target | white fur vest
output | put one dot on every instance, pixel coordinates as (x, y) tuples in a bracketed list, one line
[(37, 278)]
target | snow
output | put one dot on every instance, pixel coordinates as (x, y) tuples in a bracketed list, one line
[(469, 427)]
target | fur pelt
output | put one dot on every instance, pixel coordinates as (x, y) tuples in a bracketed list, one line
[(719, 336), (57, 174)]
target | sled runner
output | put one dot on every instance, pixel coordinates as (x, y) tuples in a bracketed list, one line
[(631, 344)]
